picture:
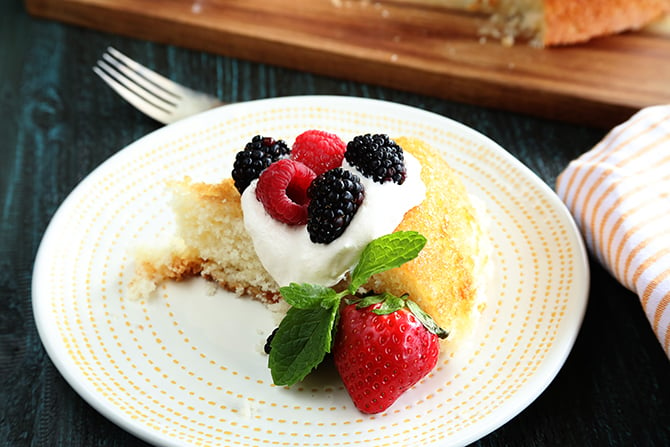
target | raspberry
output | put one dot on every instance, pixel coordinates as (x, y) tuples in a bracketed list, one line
[(377, 157), (257, 155), (282, 189), (335, 197), (319, 150)]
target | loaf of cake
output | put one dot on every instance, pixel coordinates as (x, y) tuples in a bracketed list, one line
[(558, 22)]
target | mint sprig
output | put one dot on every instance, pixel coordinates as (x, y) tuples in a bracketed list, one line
[(308, 296), (302, 341), (306, 333), (385, 253)]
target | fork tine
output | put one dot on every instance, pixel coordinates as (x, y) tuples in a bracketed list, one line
[(129, 84), (128, 92), (164, 97), (155, 95), (164, 83)]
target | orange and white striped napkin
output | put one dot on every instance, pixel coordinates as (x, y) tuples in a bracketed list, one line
[(619, 195)]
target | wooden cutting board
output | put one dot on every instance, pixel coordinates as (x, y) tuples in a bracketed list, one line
[(429, 50)]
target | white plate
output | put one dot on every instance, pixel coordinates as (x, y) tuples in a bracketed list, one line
[(185, 368)]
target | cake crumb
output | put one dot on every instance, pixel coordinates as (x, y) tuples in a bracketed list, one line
[(507, 41)]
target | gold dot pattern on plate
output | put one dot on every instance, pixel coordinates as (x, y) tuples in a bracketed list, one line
[(152, 364)]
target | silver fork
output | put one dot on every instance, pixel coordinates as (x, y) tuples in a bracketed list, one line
[(152, 94)]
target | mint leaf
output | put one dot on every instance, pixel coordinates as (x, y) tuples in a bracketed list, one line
[(301, 342), (385, 253), (308, 296)]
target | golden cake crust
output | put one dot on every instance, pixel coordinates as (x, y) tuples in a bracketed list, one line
[(442, 278)]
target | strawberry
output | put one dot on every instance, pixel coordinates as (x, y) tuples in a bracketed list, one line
[(318, 149), (282, 189), (384, 348)]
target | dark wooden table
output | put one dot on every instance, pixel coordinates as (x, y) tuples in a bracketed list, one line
[(58, 122)]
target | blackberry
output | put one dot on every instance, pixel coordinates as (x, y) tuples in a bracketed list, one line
[(335, 197), (257, 155), (377, 157), (268, 343)]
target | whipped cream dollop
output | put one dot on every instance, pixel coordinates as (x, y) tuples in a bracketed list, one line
[(287, 252)]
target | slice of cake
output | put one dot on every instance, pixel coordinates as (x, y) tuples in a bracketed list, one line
[(559, 22), (210, 241), (215, 238), (446, 278)]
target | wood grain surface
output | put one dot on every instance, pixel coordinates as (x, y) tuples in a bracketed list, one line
[(394, 43)]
